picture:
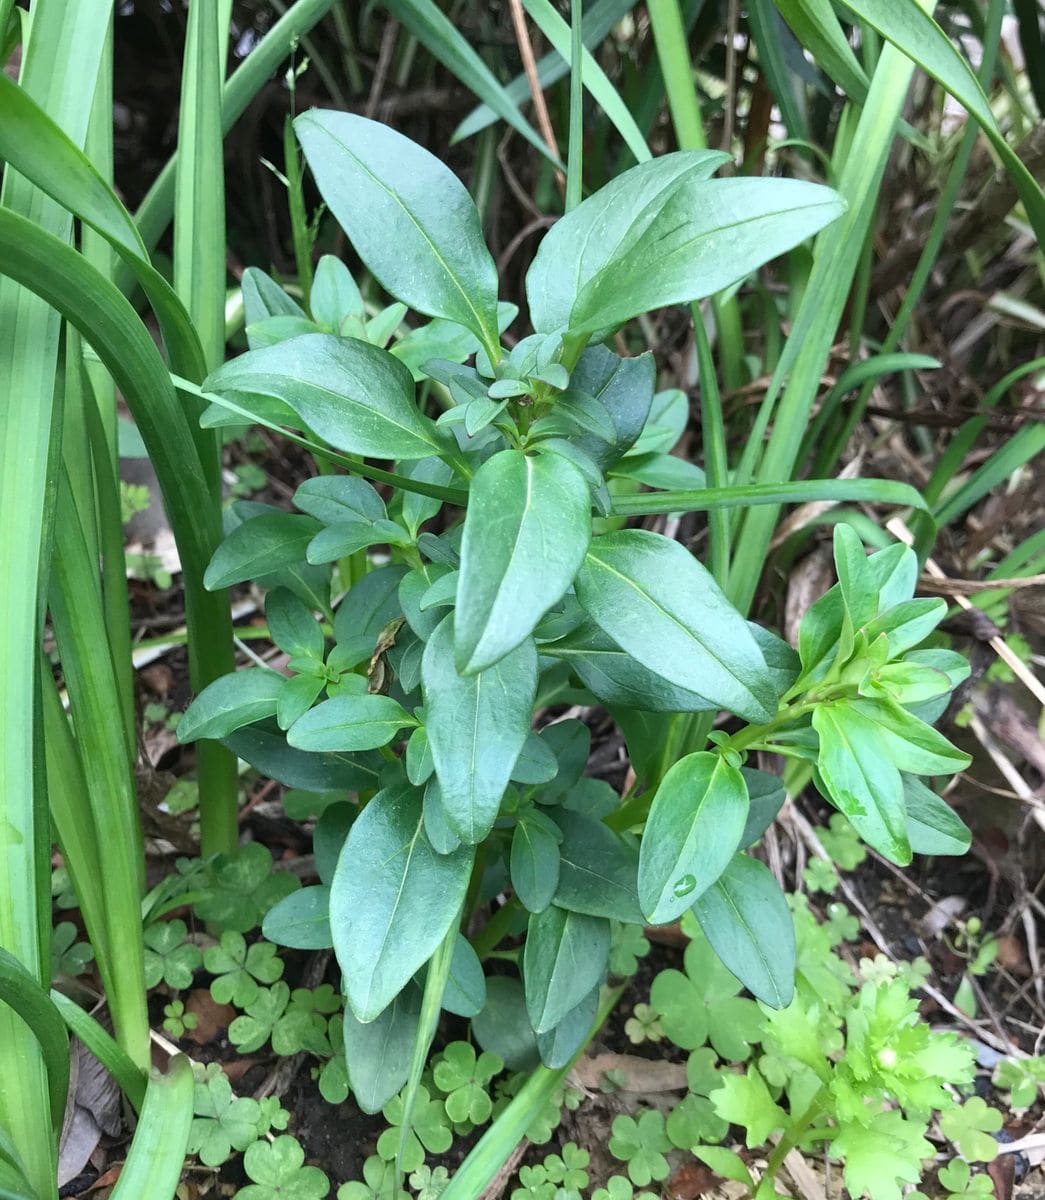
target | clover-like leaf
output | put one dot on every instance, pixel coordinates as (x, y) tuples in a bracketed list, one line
[(641, 1143), (463, 1080), (429, 1130), (971, 1126), (240, 968), (168, 957), (378, 1183), (278, 1172)]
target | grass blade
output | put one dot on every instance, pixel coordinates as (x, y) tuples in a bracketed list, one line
[(437, 33), (872, 491), (593, 77), (913, 31), (154, 1161), (96, 1038), (21, 992), (817, 28)]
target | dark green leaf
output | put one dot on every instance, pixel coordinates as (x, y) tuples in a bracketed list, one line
[(692, 832), (369, 606), (349, 722), (355, 396), (334, 498), (378, 1053), (231, 702), (292, 625), (410, 219), (597, 870), (525, 535), (465, 992), (564, 958), (766, 794), (534, 862), (503, 1028), (258, 547), (659, 604), (536, 763), (477, 725), (746, 919), (267, 751), (557, 1046), (392, 900)]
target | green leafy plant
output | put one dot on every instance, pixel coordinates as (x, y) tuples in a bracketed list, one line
[(239, 968), (169, 957), (225, 1122), (424, 702), (278, 1172), (176, 1020)]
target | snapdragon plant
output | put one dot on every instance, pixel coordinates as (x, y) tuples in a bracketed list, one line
[(415, 673)]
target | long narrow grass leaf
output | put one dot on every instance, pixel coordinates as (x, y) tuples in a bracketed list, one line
[(871, 491), (153, 1167), (21, 992), (99, 1041)]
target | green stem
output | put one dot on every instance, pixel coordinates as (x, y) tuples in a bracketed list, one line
[(298, 216), (496, 929), (575, 159), (788, 1142)]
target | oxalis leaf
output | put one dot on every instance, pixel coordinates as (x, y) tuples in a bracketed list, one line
[(693, 830), (353, 395), (477, 725), (410, 219), (661, 606), (860, 780), (392, 899), (526, 532), (745, 917)]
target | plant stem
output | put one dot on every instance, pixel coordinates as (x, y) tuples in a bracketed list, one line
[(575, 159)]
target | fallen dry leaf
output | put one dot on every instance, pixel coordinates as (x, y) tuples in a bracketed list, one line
[(631, 1073)]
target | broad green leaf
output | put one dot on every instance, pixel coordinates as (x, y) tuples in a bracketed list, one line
[(907, 624), (597, 870), (231, 702), (477, 725), (353, 395), (392, 899), (908, 742), (535, 861), (861, 782), (346, 537), (503, 1027), (704, 235), (618, 679), (293, 627), (766, 796), (335, 498), (349, 722), (817, 27), (913, 30), (745, 917), (579, 245), (691, 835), (369, 606), (659, 604), (258, 547), (266, 750), (378, 1053), (565, 956), (536, 762), (410, 219), (301, 920), (932, 825), (526, 532)]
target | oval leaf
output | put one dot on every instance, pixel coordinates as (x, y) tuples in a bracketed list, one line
[(349, 723), (392, 899), (565, 957), (527, 529), (694, 828), (353, 395), (231, 702), (301, 920), (477, 725), (410, 219), (660, 605), (745, 917)]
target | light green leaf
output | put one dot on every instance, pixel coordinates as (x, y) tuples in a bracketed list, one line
[(378, 1053), (932, 825), (909, 743), (526, 532), (301, 920), (260, 546), (535, 861), (392, 899), (349, 722), (692, 832), (659, 604)]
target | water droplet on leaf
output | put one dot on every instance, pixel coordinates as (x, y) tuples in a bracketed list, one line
[(685, 885)]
